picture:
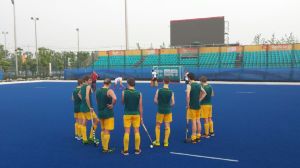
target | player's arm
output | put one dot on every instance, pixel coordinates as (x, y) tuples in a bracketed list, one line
[(156, 97), (141, 107), (112, 94), (72, 97), (79, 95), (172, 100), (123, 97), (202, 94), (188, 90), (212, 93), (87, 97)]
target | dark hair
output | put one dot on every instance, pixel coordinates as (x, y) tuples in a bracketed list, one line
[(79, 82), (107, 81), (203, 79), (86, 78), (131, 81), (191, 76), (166, 80)]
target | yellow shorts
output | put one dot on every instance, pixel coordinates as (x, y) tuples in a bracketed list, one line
[(206, 111), (160, 118), (107, 124), (75, 115), (135, 120), (193, 114), (87, 115)]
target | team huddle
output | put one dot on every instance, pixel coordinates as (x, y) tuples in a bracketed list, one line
[(198, 101)]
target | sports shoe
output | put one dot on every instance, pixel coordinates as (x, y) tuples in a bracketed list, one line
[(206, 136), (166, 144), (137, 152), (108, 151), (155, 143), (212, 134), (125, 153), (195, 141), (85, 142)]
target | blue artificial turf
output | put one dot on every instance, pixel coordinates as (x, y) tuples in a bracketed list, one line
[(257, 125)]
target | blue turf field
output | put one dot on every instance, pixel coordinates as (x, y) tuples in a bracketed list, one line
[(257, 125)]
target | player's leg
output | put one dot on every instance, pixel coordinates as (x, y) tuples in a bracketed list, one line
[(127, 125), (136, 122), (108, 126), (83, 130), (168, 120), (198, 136), (159, 120), (194, 131), (93, 129)]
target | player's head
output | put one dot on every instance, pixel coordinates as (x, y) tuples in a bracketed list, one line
[(166, 80), (79, 82), (87, 79), (107, 81), (203, 79), (131, 82), (191, 76)]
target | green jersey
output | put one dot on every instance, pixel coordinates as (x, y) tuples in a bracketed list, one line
[(84, 106), (102, 101), (164, 100), (194, 96), (77, 100), (209, 90), (131, 101)]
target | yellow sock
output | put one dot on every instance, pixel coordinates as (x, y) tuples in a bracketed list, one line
[(157, 134), (211, 127), (91, 131), (76, 129), (167, 134), (206, 128), (126, 141), (193, 137), (137, 140), (83, 132), (102, 133), (198, 136), (106, 138)]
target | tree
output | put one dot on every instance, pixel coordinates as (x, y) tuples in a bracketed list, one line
[(4, 62), (287, 39)]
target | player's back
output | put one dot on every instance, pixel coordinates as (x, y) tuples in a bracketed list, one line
[(207, 99), (195, 95), (77, 100), (164, 100), (131, 101), (102, 100)]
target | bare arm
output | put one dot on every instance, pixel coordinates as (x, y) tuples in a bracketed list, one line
[(72, 97), (87, 97), (123, 97), (141, 107), (172, 100), (188, 90), (212, 93), (79, 95), (202, 94), (111, 94), (156, 97)]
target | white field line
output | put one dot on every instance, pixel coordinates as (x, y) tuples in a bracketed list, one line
[(205, 157)]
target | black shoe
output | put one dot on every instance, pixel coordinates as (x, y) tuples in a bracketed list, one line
[(125, 153), (198, 140), (194, 141), (212, 134), (137, 152), (206, 136)]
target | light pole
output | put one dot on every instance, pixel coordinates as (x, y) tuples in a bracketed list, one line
[(15, 36), (4, 34), (77, 29), (35, 19), (126, 26)]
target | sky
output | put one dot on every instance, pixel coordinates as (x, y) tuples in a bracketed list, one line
[(101, 22)]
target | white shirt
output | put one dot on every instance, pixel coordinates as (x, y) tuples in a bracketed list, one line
[(154, 74), (118, 79)]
